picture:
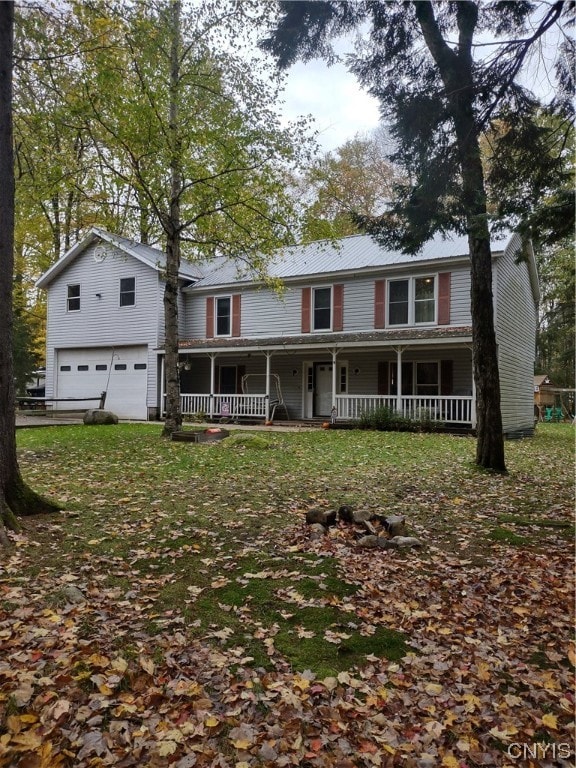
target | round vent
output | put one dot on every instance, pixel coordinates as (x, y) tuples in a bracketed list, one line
[(99, 253)]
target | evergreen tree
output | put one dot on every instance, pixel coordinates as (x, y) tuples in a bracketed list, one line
[(421, 61)]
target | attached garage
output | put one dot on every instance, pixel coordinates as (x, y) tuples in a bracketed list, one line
[(121, 372)]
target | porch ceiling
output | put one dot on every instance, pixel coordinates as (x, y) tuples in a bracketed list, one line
[(407, 337)]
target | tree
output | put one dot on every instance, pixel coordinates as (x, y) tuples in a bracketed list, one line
[(418, 59), (16, 498), (355, 179), (186, 130)]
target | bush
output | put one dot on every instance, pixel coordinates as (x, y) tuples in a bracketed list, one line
[(386, 419)]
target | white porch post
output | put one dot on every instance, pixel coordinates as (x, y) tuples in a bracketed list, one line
[(162, 387), (267, 404), (212, 383), (334, 379), (399, 351)]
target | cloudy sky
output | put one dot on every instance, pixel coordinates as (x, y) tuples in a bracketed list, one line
[(332, 95)]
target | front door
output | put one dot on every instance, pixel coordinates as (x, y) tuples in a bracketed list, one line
[(228, 378), (322, 389)]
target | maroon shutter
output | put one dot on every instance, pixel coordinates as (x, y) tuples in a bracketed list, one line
[(444, 298), (446, 377), (210, 317), (379, 303), (383, 379), (306, 298), (338, 309), (236, 314)]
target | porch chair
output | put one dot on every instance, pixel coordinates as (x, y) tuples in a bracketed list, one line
[(549, 414)]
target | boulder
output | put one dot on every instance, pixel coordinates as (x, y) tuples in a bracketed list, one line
[(99, 416)]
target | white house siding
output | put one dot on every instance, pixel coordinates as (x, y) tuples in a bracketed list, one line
[(101, 322), (267, 314), (516, 321)]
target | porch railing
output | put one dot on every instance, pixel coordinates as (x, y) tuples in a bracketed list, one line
[(445, 409), (224, 405)]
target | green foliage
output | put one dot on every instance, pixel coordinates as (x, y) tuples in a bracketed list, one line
[(555, 349), (25, 357), (387, 419), (356, 180)]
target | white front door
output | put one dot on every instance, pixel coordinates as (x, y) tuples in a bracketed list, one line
[(322, 389)]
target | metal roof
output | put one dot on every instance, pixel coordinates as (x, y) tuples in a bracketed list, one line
[(144, 253), (349, 254)]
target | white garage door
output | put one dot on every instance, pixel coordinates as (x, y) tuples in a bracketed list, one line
[(121, 372)]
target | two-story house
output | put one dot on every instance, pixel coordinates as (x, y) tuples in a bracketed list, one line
[(356, 326)]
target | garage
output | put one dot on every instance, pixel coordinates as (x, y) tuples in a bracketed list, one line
[(122, 372)]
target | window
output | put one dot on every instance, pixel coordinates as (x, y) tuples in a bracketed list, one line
[(322, 312), (343, 384), (424, 300), (120, 367), (127, 291), (426, 378), (398, 302), (73, 300), (139, 366), (83, 368), (223, 316), (101, 367), (412, 301), (65, 368), (417, 378)]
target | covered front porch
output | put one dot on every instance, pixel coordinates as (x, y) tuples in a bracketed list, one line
[(430, 379)]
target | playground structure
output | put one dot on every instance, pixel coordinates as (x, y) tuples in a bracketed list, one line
[(563, 408)]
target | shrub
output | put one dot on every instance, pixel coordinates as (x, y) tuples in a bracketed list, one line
[(386, 419)]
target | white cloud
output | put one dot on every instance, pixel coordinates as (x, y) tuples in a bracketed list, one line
[(335, 99)]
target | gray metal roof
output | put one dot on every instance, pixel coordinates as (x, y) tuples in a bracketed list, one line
[(349, 254), (148, 254), (145, 253)]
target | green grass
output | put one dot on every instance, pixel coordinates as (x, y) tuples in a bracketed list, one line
[(181, 528)]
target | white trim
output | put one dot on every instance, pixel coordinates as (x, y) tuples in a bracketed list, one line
[(411, 280), (316, 288), (216, 300)]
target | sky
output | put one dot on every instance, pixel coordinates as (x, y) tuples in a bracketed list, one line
[(333, 96), (342, 109)]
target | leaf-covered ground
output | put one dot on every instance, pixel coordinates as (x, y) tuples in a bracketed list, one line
[(177, 613)]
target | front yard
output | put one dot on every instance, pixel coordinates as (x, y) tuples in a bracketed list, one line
[(206, 628)]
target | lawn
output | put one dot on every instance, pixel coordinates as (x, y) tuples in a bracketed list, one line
[(177, 612)]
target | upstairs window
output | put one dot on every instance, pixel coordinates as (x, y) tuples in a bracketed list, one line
[(412, 301), (424, 303), (398, 302), (223, 316), (73, 298), (322, 309), (127, 291)]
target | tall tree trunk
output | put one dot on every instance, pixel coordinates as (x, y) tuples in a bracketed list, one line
[(456, 71), (15, 497), (173, 420)]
